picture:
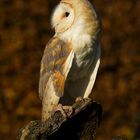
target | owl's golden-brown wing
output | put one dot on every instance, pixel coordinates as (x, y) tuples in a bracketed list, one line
[(55, 64)]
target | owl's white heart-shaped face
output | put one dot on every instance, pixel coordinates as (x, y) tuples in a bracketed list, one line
[(63, 17)]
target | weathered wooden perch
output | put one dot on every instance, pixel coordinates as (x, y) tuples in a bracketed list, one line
[(80, 125)]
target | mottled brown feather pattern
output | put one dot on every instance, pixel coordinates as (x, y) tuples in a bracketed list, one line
[(52, 65), (58, 81)]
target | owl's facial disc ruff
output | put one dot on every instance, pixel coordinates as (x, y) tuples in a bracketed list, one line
[(63, 17)]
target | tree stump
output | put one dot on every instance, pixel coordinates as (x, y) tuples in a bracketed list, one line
[(80, 125)]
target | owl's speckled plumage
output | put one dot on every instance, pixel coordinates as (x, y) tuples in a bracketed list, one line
[(71, 58)]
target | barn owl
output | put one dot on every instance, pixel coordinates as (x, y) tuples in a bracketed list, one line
[(71, 58)]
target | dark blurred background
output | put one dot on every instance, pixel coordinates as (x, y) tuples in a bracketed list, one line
[(25, 30)]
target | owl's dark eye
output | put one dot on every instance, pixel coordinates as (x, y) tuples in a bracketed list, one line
[(67, 14)]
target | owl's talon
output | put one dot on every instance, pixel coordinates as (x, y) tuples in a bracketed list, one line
[(68, 109), (65, 110), (78, 99), (60, 108)]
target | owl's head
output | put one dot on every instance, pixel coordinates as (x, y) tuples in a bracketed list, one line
[(63, 17), (70, 12)]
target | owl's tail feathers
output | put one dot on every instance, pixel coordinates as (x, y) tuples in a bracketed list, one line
[(50, 101)]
